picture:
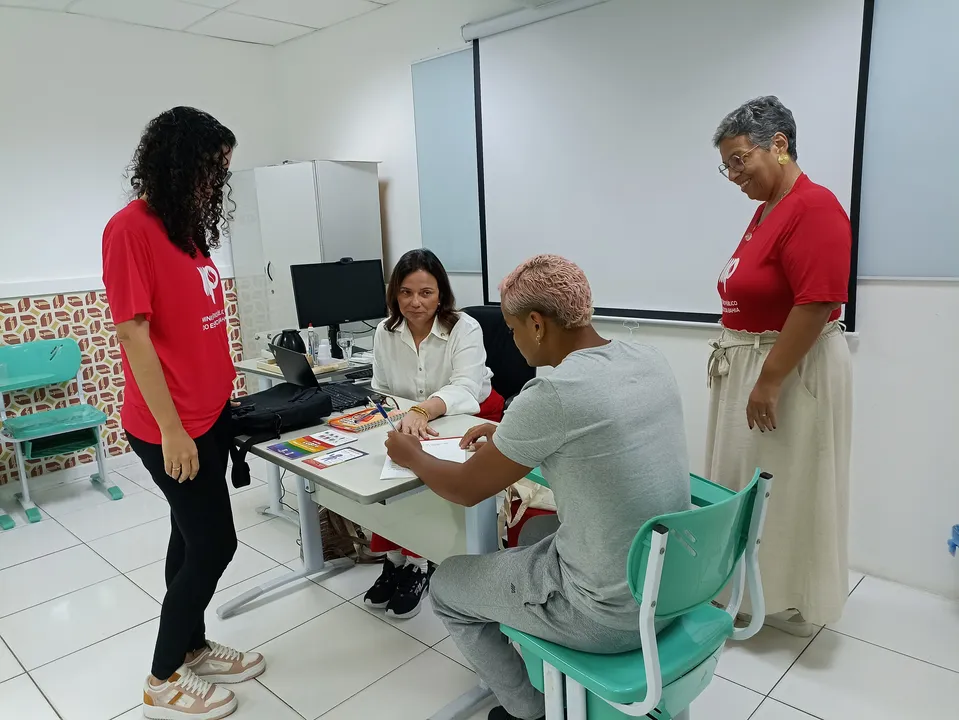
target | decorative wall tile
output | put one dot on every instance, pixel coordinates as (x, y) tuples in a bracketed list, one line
[(85, 317), (253, 308)]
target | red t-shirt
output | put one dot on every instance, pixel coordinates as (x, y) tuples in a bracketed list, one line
[(182, 299), (800, 254)]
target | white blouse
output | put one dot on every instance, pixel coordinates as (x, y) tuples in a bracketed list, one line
[(449, 365)]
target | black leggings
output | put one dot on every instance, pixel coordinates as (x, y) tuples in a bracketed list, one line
[(202, 543)]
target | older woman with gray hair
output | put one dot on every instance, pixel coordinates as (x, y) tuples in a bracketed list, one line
[(781, 389)]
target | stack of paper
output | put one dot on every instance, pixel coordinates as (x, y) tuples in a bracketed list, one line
[(443, 449)]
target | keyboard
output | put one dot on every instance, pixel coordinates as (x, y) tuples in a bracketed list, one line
[(345, 395), (364, 374)]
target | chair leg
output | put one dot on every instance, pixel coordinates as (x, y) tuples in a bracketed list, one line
[(6, 522), (553, 682), (575, 700), (33, 515), (102, 477)]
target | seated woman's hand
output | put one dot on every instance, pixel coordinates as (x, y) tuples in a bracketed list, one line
[(417, 425), (475, 434)]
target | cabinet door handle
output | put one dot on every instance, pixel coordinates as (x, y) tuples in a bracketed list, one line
[(269, 273)]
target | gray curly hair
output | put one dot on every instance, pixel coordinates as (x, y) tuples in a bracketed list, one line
[(759, 119)]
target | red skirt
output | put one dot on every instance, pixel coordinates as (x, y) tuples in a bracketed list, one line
[(491, 409)]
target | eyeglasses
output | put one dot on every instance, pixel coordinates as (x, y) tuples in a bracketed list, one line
[(737, 163)]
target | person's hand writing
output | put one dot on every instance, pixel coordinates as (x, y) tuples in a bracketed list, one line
[(402, 448), (762, 406), (475, 434), (180, 457), (417, 425)]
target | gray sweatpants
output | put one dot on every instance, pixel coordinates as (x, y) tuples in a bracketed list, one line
[(521, 588)]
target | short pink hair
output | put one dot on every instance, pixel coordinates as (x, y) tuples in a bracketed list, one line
[(551, 285)]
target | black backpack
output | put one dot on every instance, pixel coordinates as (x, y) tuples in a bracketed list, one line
[(268, 414)]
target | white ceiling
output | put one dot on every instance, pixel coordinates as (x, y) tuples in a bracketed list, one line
[(265, 22)]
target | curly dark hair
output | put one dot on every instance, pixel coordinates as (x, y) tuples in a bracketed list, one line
[(180, 169), (407, 265)]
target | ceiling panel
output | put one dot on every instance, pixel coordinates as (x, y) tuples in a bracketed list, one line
[(40, 4), (233, 26), (265, 22), (169, 14), (311, 13), (218, 4)]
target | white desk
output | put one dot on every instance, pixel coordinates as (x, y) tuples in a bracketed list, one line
[(354, 490), (266, 381)]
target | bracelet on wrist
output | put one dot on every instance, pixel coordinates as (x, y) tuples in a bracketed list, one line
[(421, 411)]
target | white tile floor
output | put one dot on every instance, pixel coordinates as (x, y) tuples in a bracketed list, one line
[(79, 601)]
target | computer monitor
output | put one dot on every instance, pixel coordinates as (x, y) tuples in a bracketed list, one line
[(329, 294)]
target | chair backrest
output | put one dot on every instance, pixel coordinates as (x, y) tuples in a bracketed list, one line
[(510, 370), (704, 546), (38, 363)]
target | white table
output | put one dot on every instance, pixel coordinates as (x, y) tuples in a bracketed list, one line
[(358, 483), (266, 380)]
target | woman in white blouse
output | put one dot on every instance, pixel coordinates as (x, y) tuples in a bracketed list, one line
[(428, 352)]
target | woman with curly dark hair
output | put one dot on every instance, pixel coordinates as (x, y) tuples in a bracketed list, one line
[(167, 303)]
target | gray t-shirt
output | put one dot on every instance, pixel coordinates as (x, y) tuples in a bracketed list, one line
[(607, 429)]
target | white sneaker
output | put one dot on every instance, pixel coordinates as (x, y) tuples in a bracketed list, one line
[(791, 622), (223, 665), (186, 696)]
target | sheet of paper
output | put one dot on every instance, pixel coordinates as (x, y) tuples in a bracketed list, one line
[(441, 448)]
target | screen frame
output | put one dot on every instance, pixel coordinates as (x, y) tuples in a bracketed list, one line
[(682, 317)]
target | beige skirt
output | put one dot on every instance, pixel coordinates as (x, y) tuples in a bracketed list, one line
[(803, 555)]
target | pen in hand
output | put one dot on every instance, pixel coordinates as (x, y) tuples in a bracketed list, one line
[(383, 412)]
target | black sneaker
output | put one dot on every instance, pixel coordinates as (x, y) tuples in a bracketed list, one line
[(498, 713), (411, 586), (384, 588)]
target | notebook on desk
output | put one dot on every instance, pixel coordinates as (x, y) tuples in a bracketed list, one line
[(440, 448), (364, 420)]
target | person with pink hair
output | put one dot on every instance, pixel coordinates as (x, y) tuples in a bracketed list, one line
[(606, 428)]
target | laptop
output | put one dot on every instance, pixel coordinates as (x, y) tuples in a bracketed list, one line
[(294, 366), (297, 371)]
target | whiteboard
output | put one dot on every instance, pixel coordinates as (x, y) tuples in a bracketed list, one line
[(910, 214), (445, 116), (597, 136)]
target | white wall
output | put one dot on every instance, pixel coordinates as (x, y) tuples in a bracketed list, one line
[(347, 95), (76, 94)]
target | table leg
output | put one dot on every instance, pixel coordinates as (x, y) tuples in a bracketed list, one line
[(481, 538), (273, 481), (101, 478), (313, 565), (33, 514), (481, 532)]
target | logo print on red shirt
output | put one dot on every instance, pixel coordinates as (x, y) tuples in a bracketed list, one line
[(728, 271), (211, 280)]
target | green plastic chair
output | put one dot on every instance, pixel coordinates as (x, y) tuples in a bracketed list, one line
[(48, 433), (676, 565)]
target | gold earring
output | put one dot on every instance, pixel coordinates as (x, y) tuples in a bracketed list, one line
[(783, 158), (539, 340)]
